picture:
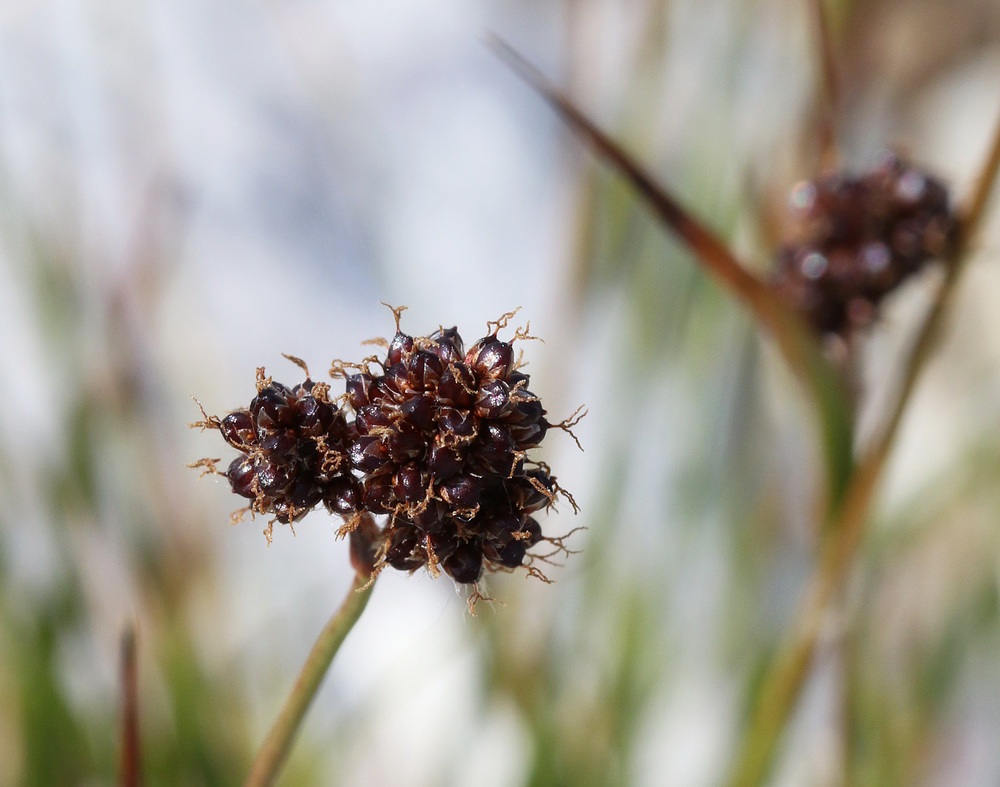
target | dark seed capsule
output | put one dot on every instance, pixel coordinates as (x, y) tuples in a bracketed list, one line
[(516, 377), (404, 446), (304, 388), (462, 491), (358, 387), (432, 519), (512, 555), (527, 408), (526, 437), (425, 370), (371, 417), (456, 423), (403, 552), (491, 553), (377, 494), (399, 348), (385, 390), (465, 564), (419, 411), (533, 531), (305, 494), (368, 454), (443, 543), (449, 347), (238, 430), (444, 461), (338, 432), (397, 379), (500, 527), (408, 484), (273, 478), (342, 495), (315, 417), (241, 476), (491, 358), (494, 449), (271, 407), (528, 497), (281, 510), (457, 386), (493, 400), (279, 446)]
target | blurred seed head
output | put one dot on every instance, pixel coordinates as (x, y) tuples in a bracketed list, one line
[(858, 239)]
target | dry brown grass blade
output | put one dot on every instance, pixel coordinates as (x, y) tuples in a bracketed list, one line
[(829, 93), (714, 255), (971, 214)]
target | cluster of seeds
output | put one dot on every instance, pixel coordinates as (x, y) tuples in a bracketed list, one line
[(293, 445), (859, 238), (443, 435), (438, 444)]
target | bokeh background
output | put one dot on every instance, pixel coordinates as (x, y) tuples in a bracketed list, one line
[(190, 189)]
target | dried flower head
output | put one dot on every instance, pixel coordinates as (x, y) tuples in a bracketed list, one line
[(859, 238), (293, 445), (439, 445), (443, 435)]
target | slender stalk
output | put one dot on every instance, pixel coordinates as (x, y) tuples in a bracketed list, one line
[(791, 665), (274, 751)]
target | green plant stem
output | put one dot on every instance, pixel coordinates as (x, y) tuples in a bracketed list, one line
[(274, 751), (791, 664)]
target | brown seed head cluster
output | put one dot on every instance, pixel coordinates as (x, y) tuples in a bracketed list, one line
[(439, 445), (443, 435), (293, 444), (859, 239)]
